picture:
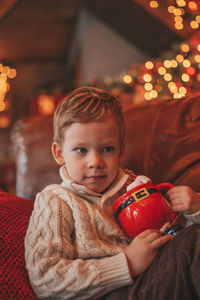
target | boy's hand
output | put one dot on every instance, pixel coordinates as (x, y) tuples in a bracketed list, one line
[(143, 249), (184, 199), (140, 179)]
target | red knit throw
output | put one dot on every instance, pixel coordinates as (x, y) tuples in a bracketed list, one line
[(14, 217)]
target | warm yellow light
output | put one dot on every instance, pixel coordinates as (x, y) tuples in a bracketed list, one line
[(167, 63), (153, 94), (182, 90), (185, 77), (179, 58), (147, 96), (127, 79), (186, 63), (172, 86), (178, 26), (168, 77), (192, 5), (197, 58), (171, 9), (153, 4), (198, 18), (147, 77), (1, 67), (6, 70), (198, 47), (181, 3), (2, 106), (2, 97), (177, 12), (149, 65), (178, 19), (194, 24), (185, 48), (3, 76), (162, 70), (174, 63), (148, 86), (12, 73), (178, 96), (3, 87)]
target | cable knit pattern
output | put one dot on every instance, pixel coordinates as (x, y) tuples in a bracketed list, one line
[(73, 245)]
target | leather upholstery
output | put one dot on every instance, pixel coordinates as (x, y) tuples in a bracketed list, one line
[(163, 142)]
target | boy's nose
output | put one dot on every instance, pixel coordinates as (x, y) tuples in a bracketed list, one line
[(95, 160)]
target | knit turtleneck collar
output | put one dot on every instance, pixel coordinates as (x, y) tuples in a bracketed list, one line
[(86, 193)]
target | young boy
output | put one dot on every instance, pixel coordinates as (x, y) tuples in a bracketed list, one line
[(74, 248)]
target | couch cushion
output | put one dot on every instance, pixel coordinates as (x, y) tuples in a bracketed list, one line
[(163, 141), (14, 216)]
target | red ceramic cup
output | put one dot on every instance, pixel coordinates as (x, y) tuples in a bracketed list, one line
[(143, 207)]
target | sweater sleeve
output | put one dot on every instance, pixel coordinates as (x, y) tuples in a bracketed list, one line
[(49, 255), (191, 219)]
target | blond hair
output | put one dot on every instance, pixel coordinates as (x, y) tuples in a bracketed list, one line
[(87, 104)]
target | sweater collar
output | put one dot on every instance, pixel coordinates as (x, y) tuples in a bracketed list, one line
[(86, 193)]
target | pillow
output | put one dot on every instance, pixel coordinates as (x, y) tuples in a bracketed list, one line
[(14, 217)]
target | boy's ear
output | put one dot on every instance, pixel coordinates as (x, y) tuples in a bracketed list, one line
[(57, 153), (122, 154)]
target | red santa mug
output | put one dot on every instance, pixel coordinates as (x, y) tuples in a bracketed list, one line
[(143, 207)]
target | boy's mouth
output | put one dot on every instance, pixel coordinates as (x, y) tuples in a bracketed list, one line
[(96, 177)]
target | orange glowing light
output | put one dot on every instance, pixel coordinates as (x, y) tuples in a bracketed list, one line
[(198, 77), (147, 96), (46, 105), (185, 48), (5, 121), (191, 71), (12, 73), (181, 3), (192, 5), (153, 4), (194, 24)]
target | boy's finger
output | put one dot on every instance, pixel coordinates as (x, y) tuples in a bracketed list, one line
[(178, 208), (156, 244), (153, 236)]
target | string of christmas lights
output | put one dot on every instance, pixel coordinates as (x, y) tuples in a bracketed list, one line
[(183, 11), (175, 74), (5, 74)]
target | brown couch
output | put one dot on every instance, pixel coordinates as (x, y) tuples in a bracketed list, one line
[(163, 142)]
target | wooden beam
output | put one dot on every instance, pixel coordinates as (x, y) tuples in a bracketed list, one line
[(164, 16), (6, 6)]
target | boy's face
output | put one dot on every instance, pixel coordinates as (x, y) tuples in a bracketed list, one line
[(91, 152)]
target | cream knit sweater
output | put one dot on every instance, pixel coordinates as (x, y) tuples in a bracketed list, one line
[(74, 248)]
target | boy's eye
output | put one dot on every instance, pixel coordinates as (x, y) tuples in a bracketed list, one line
[(81, 150), (108, 149)]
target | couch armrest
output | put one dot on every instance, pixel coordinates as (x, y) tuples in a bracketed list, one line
[(35, 166)]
